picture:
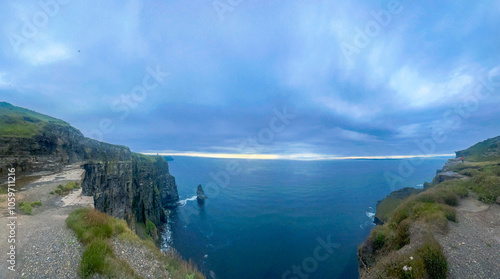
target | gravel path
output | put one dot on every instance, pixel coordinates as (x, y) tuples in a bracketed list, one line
[(141, 259), (45, 247), (472, 246)]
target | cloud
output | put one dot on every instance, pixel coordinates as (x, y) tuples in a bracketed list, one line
[(409, 131), (414, 90), (353, 135), (49, 53)]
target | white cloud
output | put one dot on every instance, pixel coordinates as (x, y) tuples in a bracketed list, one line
[(45, 54), (419, 92), (359, 112)]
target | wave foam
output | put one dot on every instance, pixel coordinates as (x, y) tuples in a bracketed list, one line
[(184, 202)]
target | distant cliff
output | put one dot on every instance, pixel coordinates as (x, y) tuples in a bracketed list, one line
[(124, 184)]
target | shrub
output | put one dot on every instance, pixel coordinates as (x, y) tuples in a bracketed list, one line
[(94, 258), (151, 229), (63, 190), (27, 207), (449, 212), (434, 260), (378, 240), (403, 233), (401, 213)]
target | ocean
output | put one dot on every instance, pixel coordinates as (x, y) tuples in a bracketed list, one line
[(281, 218)]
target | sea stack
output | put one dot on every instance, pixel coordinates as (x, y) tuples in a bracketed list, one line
[(200, 195)]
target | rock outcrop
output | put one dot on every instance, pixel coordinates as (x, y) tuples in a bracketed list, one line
[(200, 195)]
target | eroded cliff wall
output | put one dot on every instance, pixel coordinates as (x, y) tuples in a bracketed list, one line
[(138, 189)]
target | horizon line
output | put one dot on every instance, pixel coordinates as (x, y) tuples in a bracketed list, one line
[(296, 157)]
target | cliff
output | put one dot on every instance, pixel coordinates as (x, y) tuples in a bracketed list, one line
[(137, 189), (415, 223), (124, 184)]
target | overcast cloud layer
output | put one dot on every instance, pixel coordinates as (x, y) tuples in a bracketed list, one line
[(363, 78)]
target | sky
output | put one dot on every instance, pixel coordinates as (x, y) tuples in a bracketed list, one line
[(281, 79)]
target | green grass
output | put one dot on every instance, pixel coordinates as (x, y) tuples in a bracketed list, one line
[(27, 207), (63, 190), (431, 211), (484, 182), (151, 229), (487, 150), (95, 230), (147, 158), (20, 122), (95, 258), (434, 260), (386, 208)]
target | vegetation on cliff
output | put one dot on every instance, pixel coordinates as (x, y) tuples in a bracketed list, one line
[(97, 230), (21, 122), (404, 246)]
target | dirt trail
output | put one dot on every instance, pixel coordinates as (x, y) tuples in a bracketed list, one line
[(45, 248), (472, 245)]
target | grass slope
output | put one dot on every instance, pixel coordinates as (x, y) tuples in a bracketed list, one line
[(96, 230), (21, 122), (487, 150)]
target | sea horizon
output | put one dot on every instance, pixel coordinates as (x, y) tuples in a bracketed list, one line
[(272, 204)]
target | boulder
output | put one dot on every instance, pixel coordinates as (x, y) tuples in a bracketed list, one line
[(498, 200)]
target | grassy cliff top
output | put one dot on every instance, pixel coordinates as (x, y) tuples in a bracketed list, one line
[(21, 122), (488, 150)]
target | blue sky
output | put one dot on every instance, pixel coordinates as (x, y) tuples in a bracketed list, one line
[(361, 78)]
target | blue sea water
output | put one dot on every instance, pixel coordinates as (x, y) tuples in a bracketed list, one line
[(276, 214)]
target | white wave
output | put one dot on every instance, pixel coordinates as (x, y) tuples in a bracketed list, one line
[(420, 186), (184, 202), (370, 214)]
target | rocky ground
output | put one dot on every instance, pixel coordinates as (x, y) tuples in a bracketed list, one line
[(472, 245), (45, 247), (141, 259)]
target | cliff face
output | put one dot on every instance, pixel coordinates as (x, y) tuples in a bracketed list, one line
[(135, 190), (124, 184)]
